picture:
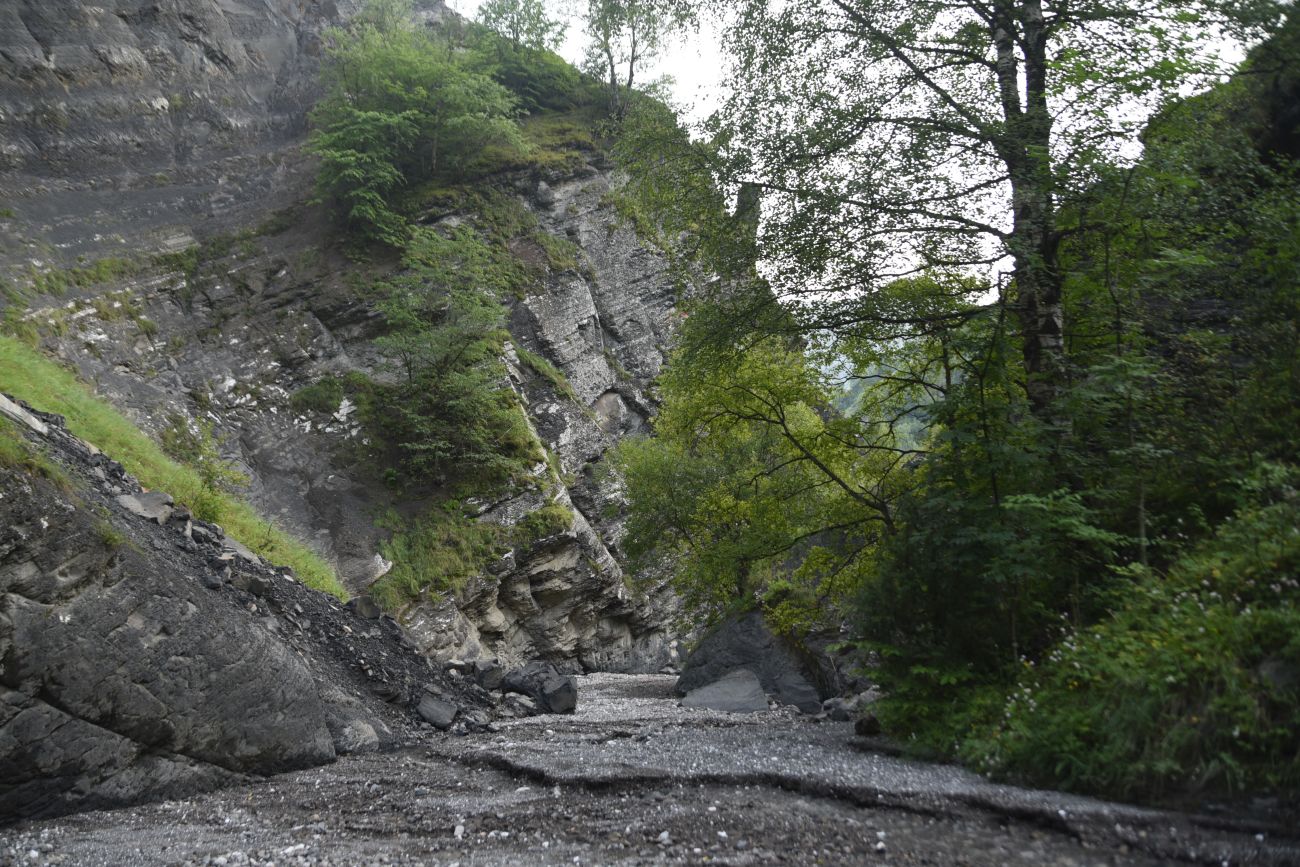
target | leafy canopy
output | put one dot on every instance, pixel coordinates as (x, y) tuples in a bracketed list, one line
[(399, 108)]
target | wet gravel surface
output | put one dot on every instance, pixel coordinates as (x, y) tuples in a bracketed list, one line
[(634, 779)]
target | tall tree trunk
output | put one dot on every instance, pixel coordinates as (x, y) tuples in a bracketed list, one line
[(1025, 148)]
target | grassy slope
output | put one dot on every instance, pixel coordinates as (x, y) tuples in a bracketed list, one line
[(27, 374)]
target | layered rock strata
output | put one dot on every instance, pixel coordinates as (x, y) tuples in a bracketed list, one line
[(142, 654)]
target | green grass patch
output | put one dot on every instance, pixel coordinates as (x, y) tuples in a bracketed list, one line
[(18, 453), (543, 368), (27, 374), (549, 520), (322, 397), (434, 555), (561, 253), (57, 281)]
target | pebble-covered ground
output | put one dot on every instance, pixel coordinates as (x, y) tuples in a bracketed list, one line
[(634, 779)]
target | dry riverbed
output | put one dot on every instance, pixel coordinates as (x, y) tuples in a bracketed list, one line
[(634, 779)]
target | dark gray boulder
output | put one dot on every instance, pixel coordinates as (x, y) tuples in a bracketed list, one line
[(122, 678), (791, 674), (560, 694), (737, 691), (138, 664), (365, 607), (543, 683), (437, 712), (488, 674)]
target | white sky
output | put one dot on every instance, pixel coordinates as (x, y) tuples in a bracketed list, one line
[(693, 60)]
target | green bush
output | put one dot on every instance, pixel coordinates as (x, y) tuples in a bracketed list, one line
[(194, 443), (448, 415), (321, 397), (434, 555), (549, 520), (399, 109), (543, 368), (1191, 685)]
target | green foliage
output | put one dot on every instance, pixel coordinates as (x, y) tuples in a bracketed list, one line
[(17, 453), (524, 22), (1192, 684), (399, 109), (448, 416), (322, 398), (745, 471), (433, 555), (543, 368), (109, 536), (27, 374), (549, 520), (193, 443), (626, 34), (518, 253), (1067, 531), (58, 281)]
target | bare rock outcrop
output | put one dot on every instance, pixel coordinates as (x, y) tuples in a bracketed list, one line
[(142, 657), (140, 124)]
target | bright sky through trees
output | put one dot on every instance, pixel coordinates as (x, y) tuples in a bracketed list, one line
[(693, 59)]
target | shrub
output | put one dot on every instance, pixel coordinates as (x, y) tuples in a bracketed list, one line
[(194, 443), (398, 110), (449, 415), (321, 397), (433, 555), (1192, 684)]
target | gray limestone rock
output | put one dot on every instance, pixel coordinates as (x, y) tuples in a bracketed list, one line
[(121, 680), (356, 736), (544, 684), (792, 675), (127, 133), (437, 712), (153, 506), (128, 676), (738, 691), (488, 674), (364, 607)]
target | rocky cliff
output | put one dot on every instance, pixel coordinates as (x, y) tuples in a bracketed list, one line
[(176, 126), (144, 654), (133, 125)]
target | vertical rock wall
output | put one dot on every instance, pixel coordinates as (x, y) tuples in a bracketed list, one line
[(131, 127)]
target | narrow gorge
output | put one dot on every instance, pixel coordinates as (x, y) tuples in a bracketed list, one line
[(417, 447)]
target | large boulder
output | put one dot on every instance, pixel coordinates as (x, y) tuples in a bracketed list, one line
[(544, 684), (789, 673), (140, 660), (122, 676), (735, 692)]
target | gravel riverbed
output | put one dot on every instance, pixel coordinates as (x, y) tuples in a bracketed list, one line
[(632, 778)]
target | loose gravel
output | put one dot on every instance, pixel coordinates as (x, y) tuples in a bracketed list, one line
[(631, 779)]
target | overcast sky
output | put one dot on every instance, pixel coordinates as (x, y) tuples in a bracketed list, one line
[(693, 61)]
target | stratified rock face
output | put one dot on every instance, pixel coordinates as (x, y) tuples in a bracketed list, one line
[(121, 677), (141, 659), (567, 598), (134, 124)]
